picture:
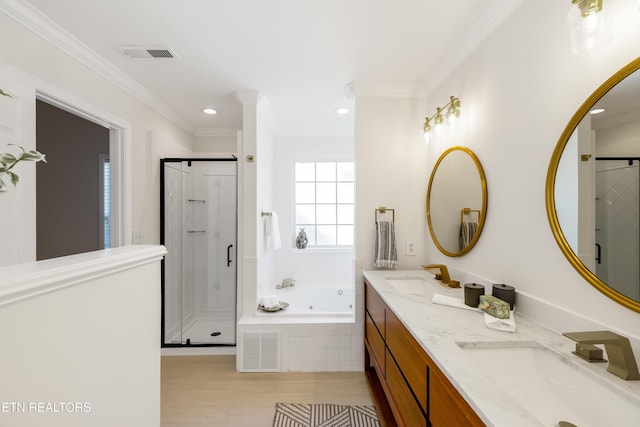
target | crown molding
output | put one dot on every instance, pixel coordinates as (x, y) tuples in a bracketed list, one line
[(487, 23), (34, 20), (248, 97)]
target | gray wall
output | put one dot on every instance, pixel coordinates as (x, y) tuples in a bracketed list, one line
[(68, 185)]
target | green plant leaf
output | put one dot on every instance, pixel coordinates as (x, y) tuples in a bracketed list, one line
[(5, 93), (8, 158), (14, 178), (30, 156)]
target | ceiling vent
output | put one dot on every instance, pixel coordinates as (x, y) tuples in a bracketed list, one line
[(147, 52)]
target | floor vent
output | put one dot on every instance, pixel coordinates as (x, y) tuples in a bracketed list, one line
[(148, 52), (260, 351)]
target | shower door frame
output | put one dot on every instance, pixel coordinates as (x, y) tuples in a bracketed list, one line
[(233, 158)]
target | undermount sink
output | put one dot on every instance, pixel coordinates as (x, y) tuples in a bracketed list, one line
[(552, 386), (416, 286)]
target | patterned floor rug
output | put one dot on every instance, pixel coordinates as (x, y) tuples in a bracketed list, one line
[(324, 415)]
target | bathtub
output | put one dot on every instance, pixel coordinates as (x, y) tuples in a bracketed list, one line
[(314, 303), (318, 331)]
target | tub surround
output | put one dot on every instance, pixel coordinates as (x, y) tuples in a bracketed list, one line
[(438, 328), (311, 341)]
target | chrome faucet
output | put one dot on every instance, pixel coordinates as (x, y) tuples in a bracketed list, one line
[(443, 276), (618, 348)]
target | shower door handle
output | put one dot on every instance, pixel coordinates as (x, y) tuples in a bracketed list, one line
[(598, 254), (229, 255)]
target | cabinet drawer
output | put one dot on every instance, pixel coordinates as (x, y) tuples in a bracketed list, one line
[(446, 405), (376, 308), (410, 356), (375, 343), (408, 413)]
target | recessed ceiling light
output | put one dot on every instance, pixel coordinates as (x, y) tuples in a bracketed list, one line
[(210, 111), (342, 110), (597, 111)]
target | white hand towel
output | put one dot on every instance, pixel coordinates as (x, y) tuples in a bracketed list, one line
[(274, 231), (270, 301), (506, 325), (451, 302)]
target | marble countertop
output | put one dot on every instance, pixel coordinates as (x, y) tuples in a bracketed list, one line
[(439, 328)]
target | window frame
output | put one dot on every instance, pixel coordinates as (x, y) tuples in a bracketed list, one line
[(296, 226)]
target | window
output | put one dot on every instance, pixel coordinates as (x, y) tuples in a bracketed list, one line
[(324, 202), (105, 200)]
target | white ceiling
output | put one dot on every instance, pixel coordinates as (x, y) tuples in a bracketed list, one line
[(301, 54)]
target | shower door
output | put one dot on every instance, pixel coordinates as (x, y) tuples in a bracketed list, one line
[(199, 271), (618, 225)]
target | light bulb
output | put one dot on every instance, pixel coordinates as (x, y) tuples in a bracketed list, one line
[(589, 27)]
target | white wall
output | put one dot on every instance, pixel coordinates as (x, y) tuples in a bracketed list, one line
[(152, 135), (391, 171), (306, 266), (216, 142), (620, 140), (518, 90), (82, 330)]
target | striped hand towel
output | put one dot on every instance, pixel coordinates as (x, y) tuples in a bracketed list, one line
[(467, 231), (386, 253)]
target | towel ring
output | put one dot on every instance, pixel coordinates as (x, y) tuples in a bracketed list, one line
[(467, 211), (383, 210)]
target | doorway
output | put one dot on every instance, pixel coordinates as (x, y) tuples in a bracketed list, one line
[(72, 188)]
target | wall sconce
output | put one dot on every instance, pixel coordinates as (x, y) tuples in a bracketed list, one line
[(443, 115), (589, 25)]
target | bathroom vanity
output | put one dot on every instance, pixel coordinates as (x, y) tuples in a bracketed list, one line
[(414, 387), (434, 365)]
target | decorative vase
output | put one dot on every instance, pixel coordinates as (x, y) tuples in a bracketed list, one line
[(301, 240)]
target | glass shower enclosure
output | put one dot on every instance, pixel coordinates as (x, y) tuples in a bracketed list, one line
[(198, 228), (618, 224)]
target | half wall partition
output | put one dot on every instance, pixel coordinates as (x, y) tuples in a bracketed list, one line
[(198, 228)]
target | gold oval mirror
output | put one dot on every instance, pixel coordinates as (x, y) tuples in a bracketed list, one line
[(456, 201), (593, 188)]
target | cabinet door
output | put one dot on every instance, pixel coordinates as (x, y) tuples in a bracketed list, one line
[(410, 357), (375, 343), (407, 411), (376, 308), (446, 405)]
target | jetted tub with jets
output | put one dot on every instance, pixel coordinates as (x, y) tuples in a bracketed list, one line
[(309, 303)]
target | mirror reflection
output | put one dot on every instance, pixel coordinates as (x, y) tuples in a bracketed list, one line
[(456, 201), (594, 202)]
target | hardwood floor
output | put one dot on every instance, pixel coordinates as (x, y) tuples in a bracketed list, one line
[(208, 391)]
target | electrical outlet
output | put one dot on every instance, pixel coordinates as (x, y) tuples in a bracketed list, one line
[(410, 247), (137, 237)]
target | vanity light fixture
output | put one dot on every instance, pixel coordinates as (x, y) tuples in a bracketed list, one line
[(597, 111), (443, 115), (589, 25), (342, 110), (209, 111)]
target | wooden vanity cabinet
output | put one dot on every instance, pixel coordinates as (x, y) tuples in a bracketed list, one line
[(448, 408), (407, 381)]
